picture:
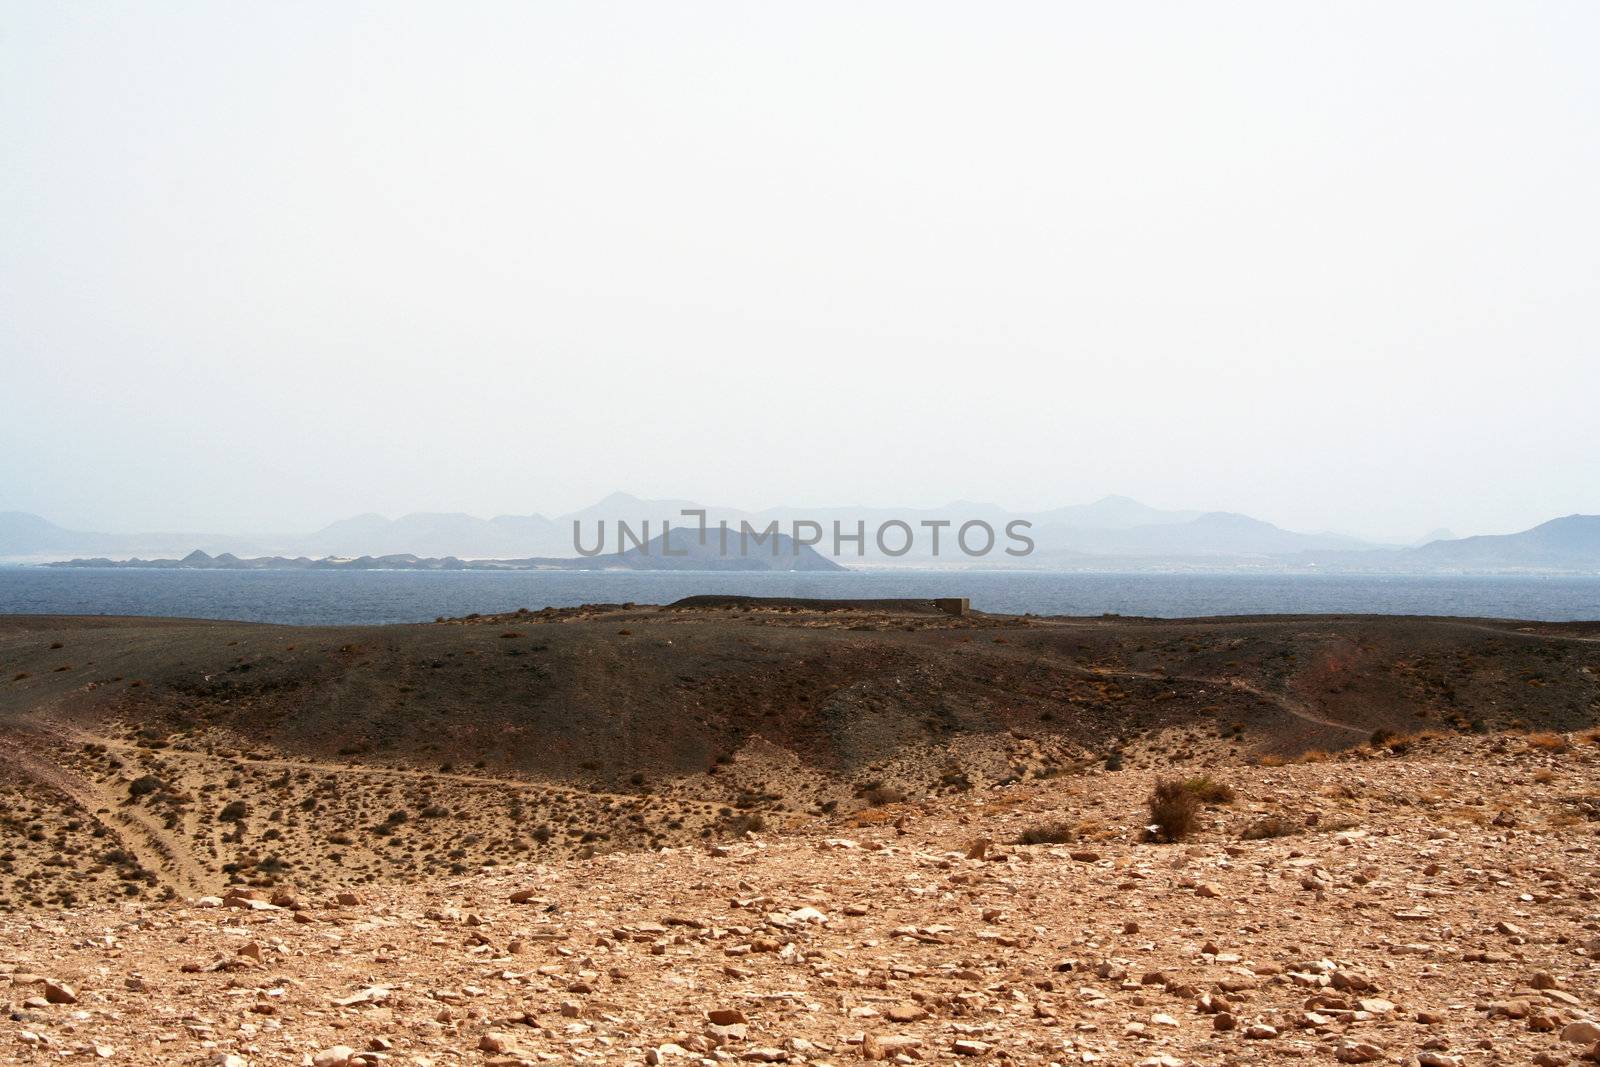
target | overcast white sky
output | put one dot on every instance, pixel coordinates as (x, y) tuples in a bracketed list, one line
[(1335, 265)]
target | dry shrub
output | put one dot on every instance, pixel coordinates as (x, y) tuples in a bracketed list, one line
[(879, 795), (751, 823), (1046, 833), (874, 817), (1209, 790), (1270, 826), (1091, 830), (1314, 755), (1548, 742), (144, 785), (1400, 744), (955, 777), (1544, 776), (1173, 809), (1272, 760)]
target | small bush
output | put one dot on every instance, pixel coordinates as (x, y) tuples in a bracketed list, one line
[(879, 795), (1269, 826), (1047, 833), (1400, 744), (234, 811), (144, 786), (954, 777), (1173, 810), (1549, 742), (1114, 762), (1209, 790), (752, 823)]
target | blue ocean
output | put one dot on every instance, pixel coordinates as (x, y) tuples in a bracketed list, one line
[(338, 597)]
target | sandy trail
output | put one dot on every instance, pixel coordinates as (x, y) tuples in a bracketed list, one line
[(1295, 708), (66, 733), (154, 848)]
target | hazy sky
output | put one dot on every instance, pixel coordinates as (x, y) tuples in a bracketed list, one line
[(265, 265)]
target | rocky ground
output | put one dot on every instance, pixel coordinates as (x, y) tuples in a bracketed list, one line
[(1428, 901)]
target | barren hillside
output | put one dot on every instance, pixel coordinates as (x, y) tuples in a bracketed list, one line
[(627, 834), (226, 753)]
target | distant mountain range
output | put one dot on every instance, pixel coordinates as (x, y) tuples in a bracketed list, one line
[(1114, 533), (679, 551), (1569, 544)]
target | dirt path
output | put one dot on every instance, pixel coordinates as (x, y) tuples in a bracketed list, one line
[(76, 735), (1298, 710), (152, 846), (1292, 707), (1535, 635)]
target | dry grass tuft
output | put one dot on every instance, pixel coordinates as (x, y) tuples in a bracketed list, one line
[(1549, 742), (1270, 826), (877, 795), (1174, 810), (1047, 833), (1209, 790)]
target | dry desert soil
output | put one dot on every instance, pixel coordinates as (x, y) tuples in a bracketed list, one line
[(627, 834)]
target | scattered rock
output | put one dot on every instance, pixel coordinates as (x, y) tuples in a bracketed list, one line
[(59, 993), (1582, 1032), (337, 1056)]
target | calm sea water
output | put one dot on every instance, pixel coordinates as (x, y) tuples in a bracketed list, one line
[(320, 597)]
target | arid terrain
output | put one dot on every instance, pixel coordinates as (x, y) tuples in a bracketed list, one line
[(633, 834)]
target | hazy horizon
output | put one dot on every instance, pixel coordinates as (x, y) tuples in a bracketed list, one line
[(976, 508), (269, 267)]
